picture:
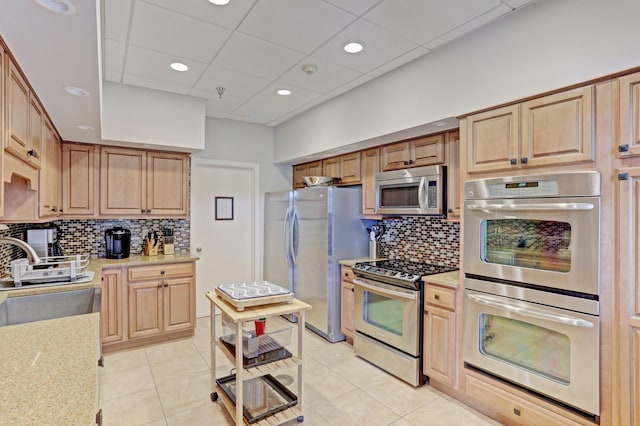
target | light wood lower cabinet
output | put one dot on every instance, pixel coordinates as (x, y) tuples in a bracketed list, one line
[(347, 305), (156, 303), (439, 334)]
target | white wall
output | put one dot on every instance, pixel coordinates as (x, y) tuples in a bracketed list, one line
[(152, 117), (547, 45)]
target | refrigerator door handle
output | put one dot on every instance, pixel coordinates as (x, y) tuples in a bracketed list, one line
[(286, 238), (293, 237)]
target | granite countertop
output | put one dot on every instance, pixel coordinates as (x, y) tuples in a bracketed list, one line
[(49, 371), (447, 279)]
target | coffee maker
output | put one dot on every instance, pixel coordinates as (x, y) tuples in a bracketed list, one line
[(45, 241), (118, 241)]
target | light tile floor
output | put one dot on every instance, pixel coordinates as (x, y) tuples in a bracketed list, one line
[(169, 384)]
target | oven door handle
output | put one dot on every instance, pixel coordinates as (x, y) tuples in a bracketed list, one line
[(567, 320), (410, 295), (533, 206)]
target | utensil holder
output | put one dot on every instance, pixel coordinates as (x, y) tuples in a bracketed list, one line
[(149, 249), (168, 247)]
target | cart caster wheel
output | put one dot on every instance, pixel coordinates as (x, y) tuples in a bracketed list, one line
[(300, 419), (214, 396)]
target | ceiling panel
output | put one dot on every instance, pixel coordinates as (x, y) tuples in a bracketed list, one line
[(268, 106), (326, 78), (117, 13), (299, 25), (422, 21), (228, 16), (114, 59), (220, 106), (162, 30), (235, 83), (399, 61), (357, 7)]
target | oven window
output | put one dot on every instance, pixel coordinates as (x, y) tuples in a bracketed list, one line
[(537, 244), (536, 349), (399, 196), (383, 312)]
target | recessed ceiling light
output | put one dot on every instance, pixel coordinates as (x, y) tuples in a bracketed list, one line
[(83, 127), (64, 7), (179, 66), (283, 92), (353, 47), (219, 2), (76, 91)]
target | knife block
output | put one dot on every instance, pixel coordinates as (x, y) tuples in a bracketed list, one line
[(149, 249), (168, 247)]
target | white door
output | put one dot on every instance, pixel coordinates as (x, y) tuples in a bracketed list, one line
[(228, 246)]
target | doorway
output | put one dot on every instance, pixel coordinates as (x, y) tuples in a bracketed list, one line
[(228, 242)]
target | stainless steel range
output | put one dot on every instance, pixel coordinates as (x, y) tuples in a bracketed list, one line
[(388, 315)]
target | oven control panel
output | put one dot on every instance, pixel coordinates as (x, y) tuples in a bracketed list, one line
[(541, 188)]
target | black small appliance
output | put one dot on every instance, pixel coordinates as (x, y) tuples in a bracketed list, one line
[(118, 241)]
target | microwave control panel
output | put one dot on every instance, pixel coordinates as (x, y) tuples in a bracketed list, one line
[(542, 188)]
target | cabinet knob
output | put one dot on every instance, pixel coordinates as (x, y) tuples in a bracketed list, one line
[(411, 161), (159, 285), (406, 163), (437, 297), (33, 153), (54, 209), (142, 211), (516, 411), (101, 361), (623, 148), (148, 210), (162, 272), (450, 210), (524, 160), (166, 285), (513, 161), (353, 290)]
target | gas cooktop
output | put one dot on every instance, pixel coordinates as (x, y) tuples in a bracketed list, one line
[(398, 271)]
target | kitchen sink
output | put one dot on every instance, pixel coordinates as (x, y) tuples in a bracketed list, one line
[(7, 283), (38, 307)]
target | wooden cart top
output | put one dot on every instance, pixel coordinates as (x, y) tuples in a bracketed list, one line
[(254, 312)]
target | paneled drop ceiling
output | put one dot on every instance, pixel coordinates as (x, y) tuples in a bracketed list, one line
[(251, 48)]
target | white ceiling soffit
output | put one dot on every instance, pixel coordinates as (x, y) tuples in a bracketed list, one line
[(253, 47)]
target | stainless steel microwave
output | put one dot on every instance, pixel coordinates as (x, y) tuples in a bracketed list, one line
[(416, 191)]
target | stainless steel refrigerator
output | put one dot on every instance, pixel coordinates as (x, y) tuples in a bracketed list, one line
[(306, 233)]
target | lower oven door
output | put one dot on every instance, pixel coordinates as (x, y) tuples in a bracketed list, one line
[(388, 313), (552, 351)]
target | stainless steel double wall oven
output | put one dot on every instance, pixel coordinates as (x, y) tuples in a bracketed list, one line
[(531, 289)]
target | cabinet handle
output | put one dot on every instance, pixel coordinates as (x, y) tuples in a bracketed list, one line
[(353, 290), (450, 210), (166, 285), (623, 148), (141, 210), (101, 361), (406, 163), (99, 417), (159, 286), (33, 153), (513, 161), (516, 411), (54, 209), (411, 161), (436, 296), (162, 272), (524, 160), (148, 210)]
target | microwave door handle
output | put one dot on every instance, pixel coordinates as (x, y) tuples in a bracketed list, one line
[(567, 320), (421, 194), (386, 291), (534, 206)]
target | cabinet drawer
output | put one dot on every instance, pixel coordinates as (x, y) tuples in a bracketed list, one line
[(170, 270), (440, 296), (347, 274), (512, 407)]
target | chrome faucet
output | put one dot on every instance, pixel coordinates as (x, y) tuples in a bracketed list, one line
[(33, 257)]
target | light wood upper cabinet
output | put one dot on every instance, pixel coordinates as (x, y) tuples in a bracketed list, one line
[(370, 165), (36, 132), (135, 182), (112, 309), (423, 151), (17, 141), (331, 167), (551, 130), (454, 193), (629, 115), (307, 169), (344, 168), (79, 179), (50, 193)]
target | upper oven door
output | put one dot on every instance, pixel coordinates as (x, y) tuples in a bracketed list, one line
[(550, 242), (388, 313)]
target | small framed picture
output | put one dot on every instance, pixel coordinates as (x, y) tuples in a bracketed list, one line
[(224, 208)]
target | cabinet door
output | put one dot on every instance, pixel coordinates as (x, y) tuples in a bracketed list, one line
[(348, 304), (635, 375), (179, 304), (395, 156), (629, 115), (331, 167), (426, 151), (49, 174), (79, 168), (145, 309), (454, 193), (350, 168), (439, 344), (167, 184), (17, 141), (299, 172), (112, 309), (122, 181), (493, 139), (558, 129), (36, 130), (370, 165), (314, 168)]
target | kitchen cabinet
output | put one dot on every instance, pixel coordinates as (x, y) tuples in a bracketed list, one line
[(629, 115), (344, 168), (50, 193), (422, 151), (237, 319), (307, 169), (454, 183), (551, 130), (439, 333), (150, 183), (348, 303), (79, 179), (369, 166), (160, 300), (112, 308)]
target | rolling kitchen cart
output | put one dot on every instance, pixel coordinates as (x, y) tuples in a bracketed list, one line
[(226, 389)]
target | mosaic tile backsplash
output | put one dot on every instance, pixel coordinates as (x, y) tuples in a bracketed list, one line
[(87, 236), (422, 239)]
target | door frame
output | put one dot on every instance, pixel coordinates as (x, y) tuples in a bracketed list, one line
[(256, 239)]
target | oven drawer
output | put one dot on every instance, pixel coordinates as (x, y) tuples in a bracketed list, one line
[(440, 296), (511, 407)]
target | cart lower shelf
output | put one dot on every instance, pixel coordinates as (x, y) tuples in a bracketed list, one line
[(292, 413)]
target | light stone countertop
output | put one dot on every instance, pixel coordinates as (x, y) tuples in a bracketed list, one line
[(447, 279), (48, 371)]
